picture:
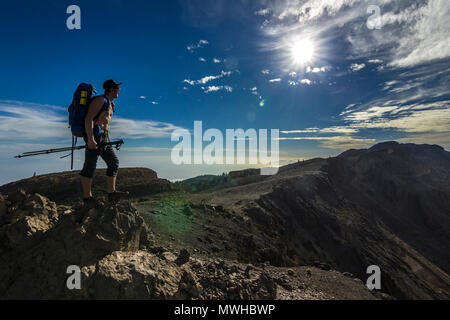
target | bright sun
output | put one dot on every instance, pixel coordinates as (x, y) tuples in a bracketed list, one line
[(302, 51)]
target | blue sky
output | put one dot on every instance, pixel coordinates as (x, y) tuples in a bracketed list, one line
[(230, 64)]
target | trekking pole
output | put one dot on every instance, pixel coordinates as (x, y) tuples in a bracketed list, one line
[(116, 145)]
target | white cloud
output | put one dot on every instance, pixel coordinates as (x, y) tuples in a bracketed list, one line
[(254, 91), (202, 59), (155, 102), (414, 118), (265, 71), (191, 82), (335, 129), (209, 89), (275, 80), (427, 35), (292, 74), (142, 97), (370, 113), (317, 69), (375, 61), (356, 67), (215, 60), (262, 12), (306, 81), (200, 44), (206, 79)]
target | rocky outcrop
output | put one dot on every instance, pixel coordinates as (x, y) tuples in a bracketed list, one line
[(38, 244), (65, 187), (24, 218), (117, 259)]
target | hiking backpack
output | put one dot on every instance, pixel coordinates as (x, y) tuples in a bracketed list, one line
[(82, 97), (78, 108)]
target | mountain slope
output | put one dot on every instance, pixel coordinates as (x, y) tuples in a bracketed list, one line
[(388, 205)]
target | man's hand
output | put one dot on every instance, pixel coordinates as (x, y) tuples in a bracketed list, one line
[(92, 145)]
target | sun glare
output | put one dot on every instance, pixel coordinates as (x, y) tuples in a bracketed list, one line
[(302, 51)]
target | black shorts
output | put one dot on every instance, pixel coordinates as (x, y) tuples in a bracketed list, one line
[(108, 155)]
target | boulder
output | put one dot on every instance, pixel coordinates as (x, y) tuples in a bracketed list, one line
[(133, 275), (37, 245)]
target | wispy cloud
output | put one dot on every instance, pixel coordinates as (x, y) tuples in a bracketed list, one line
[(262, 12), (340, 142), (275, 80), (305, 81), (317, 69), (24, 121), (335, 129), (31, 121), (209, 89), (416, 122), (206, 79), (200, 44), (191, 82), (357, 66), (413, 118)]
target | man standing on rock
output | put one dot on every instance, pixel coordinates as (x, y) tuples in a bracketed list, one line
[(97, 123)]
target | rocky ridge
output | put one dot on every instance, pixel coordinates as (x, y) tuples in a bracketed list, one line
[(118, 259)]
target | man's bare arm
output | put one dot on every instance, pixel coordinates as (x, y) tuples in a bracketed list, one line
[(93, 110)]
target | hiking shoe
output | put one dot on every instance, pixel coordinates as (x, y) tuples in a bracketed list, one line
[(92, 203), (118, 195)]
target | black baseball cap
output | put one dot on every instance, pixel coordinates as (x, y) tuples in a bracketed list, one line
[(109, 84)]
